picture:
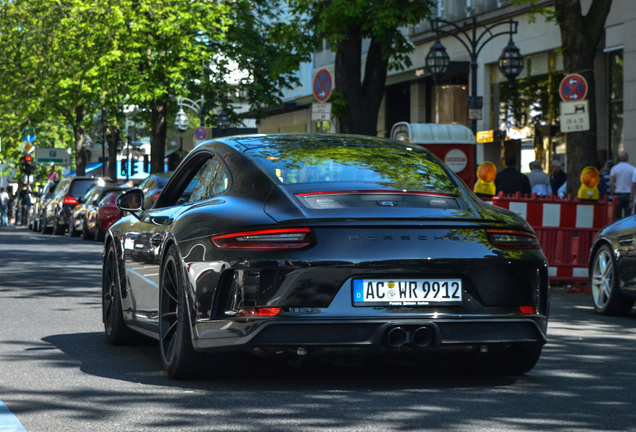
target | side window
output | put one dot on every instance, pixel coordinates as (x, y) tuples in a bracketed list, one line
[(221, 181), (204, 178)]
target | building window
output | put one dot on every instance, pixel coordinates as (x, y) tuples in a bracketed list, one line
[(615, 102)]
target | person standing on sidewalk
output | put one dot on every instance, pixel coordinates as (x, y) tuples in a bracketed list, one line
[(510, 180), (539, 180), (621, 185), (4, 207), (558, 177)]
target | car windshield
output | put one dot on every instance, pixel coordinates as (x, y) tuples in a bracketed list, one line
[(403, 167)]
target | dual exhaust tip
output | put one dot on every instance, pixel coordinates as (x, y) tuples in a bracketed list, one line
[(421, 337)]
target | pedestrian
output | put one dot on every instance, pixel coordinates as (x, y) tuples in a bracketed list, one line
[(510, 180), (604, 178), (4, 207), (621, 176), (558, 177), (24, 202), (539, 180)]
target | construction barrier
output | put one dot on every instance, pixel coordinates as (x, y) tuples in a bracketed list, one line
[(565, 228)]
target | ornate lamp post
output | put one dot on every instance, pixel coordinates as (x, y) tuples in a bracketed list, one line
[(438, 61)]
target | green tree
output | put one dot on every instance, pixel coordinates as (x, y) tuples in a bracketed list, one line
[(580, 38), (360, 80)]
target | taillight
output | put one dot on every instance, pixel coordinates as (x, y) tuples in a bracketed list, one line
[(154, 197), (69, 200), (258, 312), (512, 239), (281, 238), (528, 310)]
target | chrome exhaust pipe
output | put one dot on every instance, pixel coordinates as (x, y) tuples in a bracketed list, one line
[(396, 337), (422, 337)]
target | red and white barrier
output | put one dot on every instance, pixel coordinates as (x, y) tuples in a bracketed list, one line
[(565, 227)]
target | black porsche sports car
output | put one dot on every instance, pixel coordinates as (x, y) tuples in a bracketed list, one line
[(612, 268), (295, 244)]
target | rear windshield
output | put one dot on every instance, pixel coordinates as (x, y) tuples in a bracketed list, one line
[(79, 187), (388, 165)]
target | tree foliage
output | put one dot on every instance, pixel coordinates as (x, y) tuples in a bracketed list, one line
[(85, 61), (350, 26)]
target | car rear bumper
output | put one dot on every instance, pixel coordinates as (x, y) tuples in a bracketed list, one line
[(368, 334)]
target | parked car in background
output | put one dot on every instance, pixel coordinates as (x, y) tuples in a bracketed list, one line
[(44, 196), (298, 245), (86, 203), (612, 268), (100, 216), (152, 186), (55, 214)]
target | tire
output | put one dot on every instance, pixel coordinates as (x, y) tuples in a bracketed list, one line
[(99, 234), (606, 295), (86, 234), (71, 228), (178, 356), (59, 229), (43, 228), (117, 333), (511, 361)]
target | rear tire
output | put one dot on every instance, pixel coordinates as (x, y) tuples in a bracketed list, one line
[(43, 228), (178, 356), (71, 228), (606, 294), (117, 333), (59, 228), (86, 234)]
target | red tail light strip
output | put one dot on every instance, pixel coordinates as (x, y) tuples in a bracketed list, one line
[(258, 312), (69, 200), (281, 238)]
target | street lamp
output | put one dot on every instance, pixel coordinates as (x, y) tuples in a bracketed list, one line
[(510, 62)]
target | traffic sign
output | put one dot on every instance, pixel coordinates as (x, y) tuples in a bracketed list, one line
[(575, 116), (573, 88), (28, 135), (323, 85), (52, 156), (321, 111), (200, 133)]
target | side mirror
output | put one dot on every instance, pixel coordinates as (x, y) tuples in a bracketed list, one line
[(131, 200)]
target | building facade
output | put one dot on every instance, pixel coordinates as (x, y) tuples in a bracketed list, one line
[(523, 116)]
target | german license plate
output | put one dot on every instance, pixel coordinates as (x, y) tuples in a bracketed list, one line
[(406, 292)]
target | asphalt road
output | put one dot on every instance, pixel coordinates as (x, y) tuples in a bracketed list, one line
[(57, 374)]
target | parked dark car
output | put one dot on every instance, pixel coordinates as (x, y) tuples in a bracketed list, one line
[(44, 196), (152, 186), (86, 204), (293, 245), (99, 217), (612, 271), (55, 214)]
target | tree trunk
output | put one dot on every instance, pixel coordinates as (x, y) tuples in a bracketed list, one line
[(158, 135), (580, 37), (79, 133), (362, 99)]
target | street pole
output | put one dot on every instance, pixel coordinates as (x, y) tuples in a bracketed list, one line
[(510, 61)]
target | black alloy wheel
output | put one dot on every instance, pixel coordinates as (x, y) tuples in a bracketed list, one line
[(117, 333), (178, 356)]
